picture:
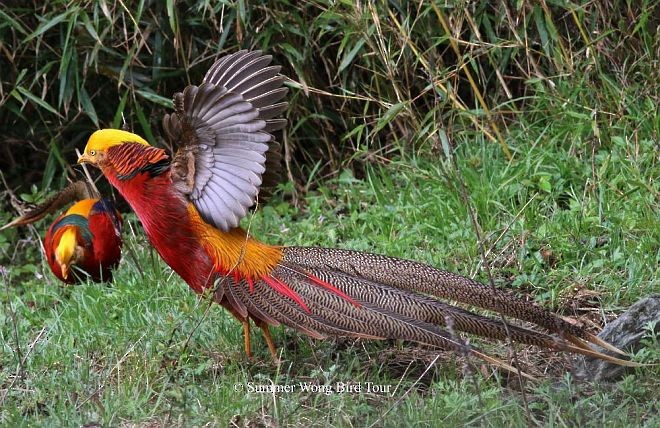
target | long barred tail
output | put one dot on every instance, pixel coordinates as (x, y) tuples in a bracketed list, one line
[(329, 292)]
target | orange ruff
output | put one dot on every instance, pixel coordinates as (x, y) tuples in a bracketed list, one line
[(234, 252)]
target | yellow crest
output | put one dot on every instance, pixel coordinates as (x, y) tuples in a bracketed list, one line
[(66, 250), (102, 139)]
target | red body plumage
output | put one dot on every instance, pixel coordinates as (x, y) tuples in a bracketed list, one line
[(166, 222)]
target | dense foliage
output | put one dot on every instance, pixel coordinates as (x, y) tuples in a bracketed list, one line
[(368, 79)]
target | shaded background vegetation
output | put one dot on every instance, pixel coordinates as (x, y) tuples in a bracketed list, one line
[(370, 79)]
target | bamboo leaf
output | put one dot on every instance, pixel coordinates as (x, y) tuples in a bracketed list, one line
[(47, 25), (87, 105), (144, 123), (90, 28), (155, 98), (12, 22), (350, 55), (38, 101), (117, 122), (171, 15), (390, 114)]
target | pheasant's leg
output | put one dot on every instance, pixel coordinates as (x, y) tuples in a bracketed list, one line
[(265, 329), (246, 332), (246, 325)]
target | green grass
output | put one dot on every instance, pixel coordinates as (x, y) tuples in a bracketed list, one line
[(145, 349), (388, 116)]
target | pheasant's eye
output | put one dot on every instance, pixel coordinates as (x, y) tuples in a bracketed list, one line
[(93, 153)]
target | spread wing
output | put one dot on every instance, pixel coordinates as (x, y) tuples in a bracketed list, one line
[(223, 126)]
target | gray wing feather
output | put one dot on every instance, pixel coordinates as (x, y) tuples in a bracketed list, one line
[(223, 107), (247, 155), (256, 80), (238, 118), (189, 95), (266, 86), (225, 124), (250, 138), (272, 110), (205, 97), (249, 71), (275, 125), (214, 200), (243, 174), (219, 70), (268, 98), (230, 67), (238, 193)]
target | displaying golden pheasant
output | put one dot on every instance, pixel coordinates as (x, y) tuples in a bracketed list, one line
[(190, 205), (85, 241)]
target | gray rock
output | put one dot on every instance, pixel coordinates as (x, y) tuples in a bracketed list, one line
[(626, 333)]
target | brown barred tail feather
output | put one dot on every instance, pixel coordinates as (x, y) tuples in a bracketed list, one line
[(75, 191), (347, 293)]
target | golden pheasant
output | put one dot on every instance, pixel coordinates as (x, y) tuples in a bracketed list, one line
[(85, 241), (190, 205)]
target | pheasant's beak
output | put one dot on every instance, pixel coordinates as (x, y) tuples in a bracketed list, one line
[(64, 268), (84, 158)]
